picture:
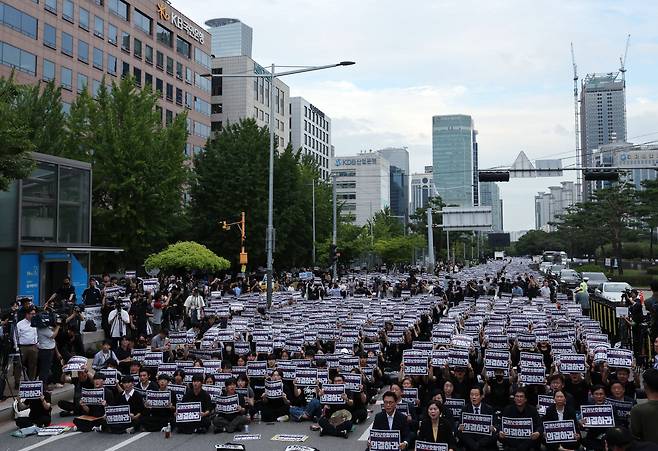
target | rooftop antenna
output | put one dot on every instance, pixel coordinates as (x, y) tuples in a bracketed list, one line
[(622, 69), (576, 118)]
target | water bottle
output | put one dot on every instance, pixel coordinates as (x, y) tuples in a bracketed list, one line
[(257, 417), (246, 428), (168, 430)]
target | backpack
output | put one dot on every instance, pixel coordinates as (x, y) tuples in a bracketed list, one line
[(90, 326)]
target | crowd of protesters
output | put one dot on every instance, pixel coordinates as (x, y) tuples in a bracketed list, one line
[(421, 407)]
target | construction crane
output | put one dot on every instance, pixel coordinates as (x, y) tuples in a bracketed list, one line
[(577, 119)]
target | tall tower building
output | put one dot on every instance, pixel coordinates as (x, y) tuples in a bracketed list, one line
[(310, 131), (230, 37), (399, 180), (490, 196), (602, 116), (455, 155)]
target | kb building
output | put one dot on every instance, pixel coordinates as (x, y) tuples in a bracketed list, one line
[(80, 44)]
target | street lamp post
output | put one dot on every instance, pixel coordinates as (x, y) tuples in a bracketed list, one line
[(269, 240)]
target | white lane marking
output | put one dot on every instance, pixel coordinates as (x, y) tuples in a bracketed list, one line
[(365, 435), (128, 442), (50, 440)]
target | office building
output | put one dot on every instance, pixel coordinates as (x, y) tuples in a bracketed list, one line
[(455, 155), (490, 196), (624, 154), (362, 185), (422, 189), (398, 158), (235, 98), (79, 43), (310, 131), (602, 116), (230, 37), (549, 206)]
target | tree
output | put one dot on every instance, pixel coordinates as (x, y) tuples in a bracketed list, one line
[(537, 241), (138, 170), (186, 256), (15, 143), (383, 225), (398, 249), (648, 208)]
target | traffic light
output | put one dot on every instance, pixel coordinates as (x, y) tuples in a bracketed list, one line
[(333, 254), (607, 175), (493, 176)]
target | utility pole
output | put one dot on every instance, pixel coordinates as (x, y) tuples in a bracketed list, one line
[(448, 244), (430, 241), (333, 240), (313, 222), (270, 198)]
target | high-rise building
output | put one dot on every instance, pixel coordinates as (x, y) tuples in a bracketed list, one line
[(310, 131), (454, 155), (230, 37), (490, 196), (362, 185), (235, 98), (602, 116), (422, 189), (79, 43), (398, 158), (622, 154), (549, 206)]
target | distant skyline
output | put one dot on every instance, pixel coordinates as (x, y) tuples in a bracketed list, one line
[(505, 63)]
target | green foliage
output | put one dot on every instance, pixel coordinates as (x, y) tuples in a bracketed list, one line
[(138, 170), (232, 176), (537, 241), (188, 256), (15, 142), (398, 249), (589, 267), (382, 225)]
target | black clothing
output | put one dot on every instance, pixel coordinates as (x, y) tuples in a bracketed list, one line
[(569, 414), (444, 433), (92, 296), (479, 442), (206, 406), (399, 424), (512, 411)]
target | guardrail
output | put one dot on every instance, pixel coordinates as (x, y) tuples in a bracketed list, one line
[(604, 312)]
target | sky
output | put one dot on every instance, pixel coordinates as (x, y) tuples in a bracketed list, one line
[(505, 63)]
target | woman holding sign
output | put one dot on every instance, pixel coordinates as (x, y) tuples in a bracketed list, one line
[(40, 411), (561, 411), (434, 428), (276, 405)]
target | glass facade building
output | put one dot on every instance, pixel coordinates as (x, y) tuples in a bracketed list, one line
[(230, 37), (45, 215), (454, 157)]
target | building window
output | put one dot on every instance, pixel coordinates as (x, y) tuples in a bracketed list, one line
[(170, 92), (170, 66), (148, 79), (111, 64), (188, 100), (50, 5), (49, 36), (201, 130), (67, 44), (148, 54), (68, 11), (201, 106), (217, 82), (189, 79), (201, 82), (169, 117), (179, 70), (66, 78), (125, 41), (158, 86), (48, 70), (95, 87), (183, 47), (99, 27), (82, 82), (179, 96), (98, 58), (164, 36), (18, 20), (201, 57), (138, 48), (119, 7), (125, 69), (142, 22), (112, 34), (216, 126), (159, 60), (137, 73), (216, 108), (84, 19), (83, 51)]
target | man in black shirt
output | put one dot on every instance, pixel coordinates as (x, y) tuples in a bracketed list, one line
[(198, 394), (92, 295), (521, 409), (64, 294)]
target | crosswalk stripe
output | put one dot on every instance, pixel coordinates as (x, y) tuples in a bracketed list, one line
[(134, 438), (49, 440)]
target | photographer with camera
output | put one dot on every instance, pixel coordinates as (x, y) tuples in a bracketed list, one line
[(119, 321), (47, 324), (634, 319)]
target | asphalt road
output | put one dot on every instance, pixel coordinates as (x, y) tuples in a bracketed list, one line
[(93, 441)]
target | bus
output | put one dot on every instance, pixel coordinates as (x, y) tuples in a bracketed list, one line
[(555, 257)]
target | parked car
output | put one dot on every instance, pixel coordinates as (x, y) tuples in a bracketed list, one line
[(569, 278), (594, 279), (611, 291)]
